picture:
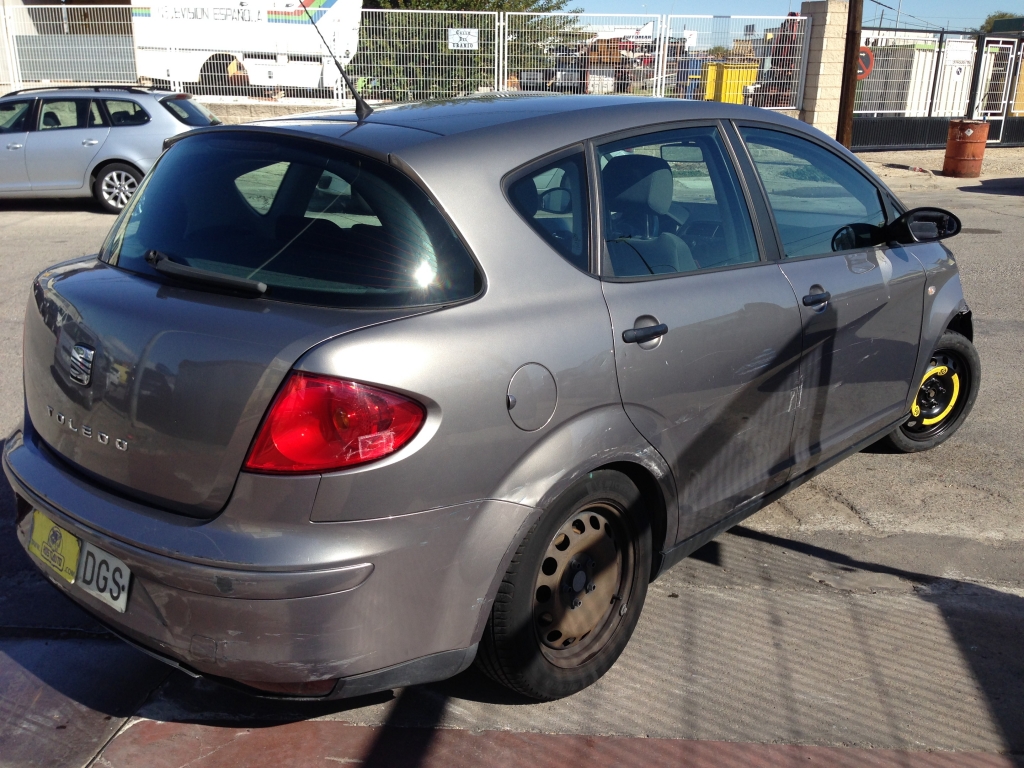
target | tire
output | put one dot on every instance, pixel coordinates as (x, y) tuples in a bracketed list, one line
[(591, 550), (945, 396), (115, 185)]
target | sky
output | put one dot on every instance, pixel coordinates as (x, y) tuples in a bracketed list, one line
[(951, 14)]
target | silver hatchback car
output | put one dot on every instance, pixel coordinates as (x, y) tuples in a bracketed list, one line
[(343, 405), (99, 140)]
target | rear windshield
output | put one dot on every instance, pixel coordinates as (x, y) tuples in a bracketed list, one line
[(318, 225), (188, 111)]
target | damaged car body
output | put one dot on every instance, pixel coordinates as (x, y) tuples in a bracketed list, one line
[(344, 405)]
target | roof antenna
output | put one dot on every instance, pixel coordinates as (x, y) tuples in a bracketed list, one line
[(363, 110)]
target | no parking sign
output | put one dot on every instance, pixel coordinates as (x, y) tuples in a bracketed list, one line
[(865, 62)]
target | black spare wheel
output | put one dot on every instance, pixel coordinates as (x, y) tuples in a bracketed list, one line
[(945, 395)]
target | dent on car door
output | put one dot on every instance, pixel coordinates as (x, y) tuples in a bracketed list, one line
[(14, 125), (67, 137), (706, 332), (861, 301)]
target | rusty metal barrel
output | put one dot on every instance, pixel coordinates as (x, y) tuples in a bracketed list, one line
[(965, 149)]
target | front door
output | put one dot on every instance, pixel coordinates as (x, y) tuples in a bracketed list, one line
[(14, 117), (69, 134), (861, 302), (706, 333)]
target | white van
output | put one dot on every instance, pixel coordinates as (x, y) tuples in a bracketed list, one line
[(223, 44)]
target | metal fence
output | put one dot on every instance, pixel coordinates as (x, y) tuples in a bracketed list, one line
[(912, 82), (395, 55)]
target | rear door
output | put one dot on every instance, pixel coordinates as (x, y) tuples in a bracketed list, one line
[(860, 301), (68, 135), (712, 387), (14, 125)]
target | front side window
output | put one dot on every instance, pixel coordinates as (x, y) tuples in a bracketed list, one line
[(124, 112), (318, 225), (821, 203), (671, 203), (68, 113), (14, 116), (553, 200)]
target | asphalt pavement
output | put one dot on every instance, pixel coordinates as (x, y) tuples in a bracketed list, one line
[(872, 617)]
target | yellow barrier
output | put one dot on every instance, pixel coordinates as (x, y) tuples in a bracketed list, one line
[(725, 82)]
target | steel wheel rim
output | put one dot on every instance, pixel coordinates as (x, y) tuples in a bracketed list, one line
[(582, 585), (118, 187), (941, 396)]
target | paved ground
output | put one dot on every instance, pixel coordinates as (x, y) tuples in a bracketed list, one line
[(873, 617)]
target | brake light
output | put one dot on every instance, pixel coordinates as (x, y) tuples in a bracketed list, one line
[(320, 423)]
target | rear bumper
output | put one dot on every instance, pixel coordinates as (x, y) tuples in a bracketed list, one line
[(262, 594)]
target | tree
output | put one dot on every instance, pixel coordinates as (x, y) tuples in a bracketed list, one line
[(986, 25)]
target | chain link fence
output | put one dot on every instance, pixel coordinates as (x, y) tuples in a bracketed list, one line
[(395, 56)]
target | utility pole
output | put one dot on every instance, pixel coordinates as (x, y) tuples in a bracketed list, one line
[(844, 133), (899, 8)]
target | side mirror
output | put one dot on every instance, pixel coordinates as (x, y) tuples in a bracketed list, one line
[(924, 225), (556, 200)]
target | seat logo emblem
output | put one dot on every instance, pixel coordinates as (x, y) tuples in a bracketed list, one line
[(81, 364)]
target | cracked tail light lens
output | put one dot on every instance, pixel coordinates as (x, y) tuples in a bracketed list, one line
[(320, 423)]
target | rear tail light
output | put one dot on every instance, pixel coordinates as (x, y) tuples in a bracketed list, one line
[(320, 423)]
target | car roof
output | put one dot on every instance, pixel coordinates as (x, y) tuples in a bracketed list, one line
[(521, 125), (85, 90)]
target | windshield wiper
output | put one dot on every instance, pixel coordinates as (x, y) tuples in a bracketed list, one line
[(162, 263)]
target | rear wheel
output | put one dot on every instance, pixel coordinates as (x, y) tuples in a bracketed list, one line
[(114, 186), (945, 396), (573, 593)]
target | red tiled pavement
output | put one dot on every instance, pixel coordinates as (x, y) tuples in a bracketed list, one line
[(150, 744)]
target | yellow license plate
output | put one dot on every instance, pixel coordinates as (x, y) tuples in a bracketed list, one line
[(54, 546)]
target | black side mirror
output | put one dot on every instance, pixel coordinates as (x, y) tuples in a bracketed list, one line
[(924, 225)]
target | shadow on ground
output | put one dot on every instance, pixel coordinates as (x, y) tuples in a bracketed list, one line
[(1010, 186), (46, 204)]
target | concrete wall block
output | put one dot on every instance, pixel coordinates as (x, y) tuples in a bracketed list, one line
[(826, 51)]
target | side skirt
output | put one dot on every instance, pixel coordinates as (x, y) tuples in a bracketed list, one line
[(688, 546)]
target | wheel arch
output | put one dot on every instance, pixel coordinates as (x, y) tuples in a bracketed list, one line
[(962, 323), (95, 172)]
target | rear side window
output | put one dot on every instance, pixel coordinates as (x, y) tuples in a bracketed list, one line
[(671, 202), (14, 116), (820, 202), (188, 111), (553, 199), (69, 113), (317, 225), (125, 113)]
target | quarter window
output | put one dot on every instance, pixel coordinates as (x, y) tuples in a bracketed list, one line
[(671, 203), (821, 203), (553, 199), (126, 113)]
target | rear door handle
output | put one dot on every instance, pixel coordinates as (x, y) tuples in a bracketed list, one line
[(640, 335), (15, 146), (90, 142), (814, 299)]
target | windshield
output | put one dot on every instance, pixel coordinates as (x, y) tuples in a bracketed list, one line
[(188, 111), (318, 225)]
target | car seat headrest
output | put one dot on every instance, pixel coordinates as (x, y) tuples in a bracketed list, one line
[(50, 120), (638, 180), (525, 197)]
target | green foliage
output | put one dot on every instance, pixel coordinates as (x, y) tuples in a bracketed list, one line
[(986, 25), (719, 52)]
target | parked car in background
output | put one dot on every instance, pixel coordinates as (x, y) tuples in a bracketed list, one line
[(96, 140), (342, 407)]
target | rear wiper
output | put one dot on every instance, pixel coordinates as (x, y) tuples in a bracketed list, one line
[(162, 263)]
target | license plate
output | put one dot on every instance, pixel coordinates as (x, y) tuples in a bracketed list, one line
[(99, 573)]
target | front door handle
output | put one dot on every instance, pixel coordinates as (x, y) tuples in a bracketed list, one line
[(90, 142), (814, 299), (15, 146), (640, 335)]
